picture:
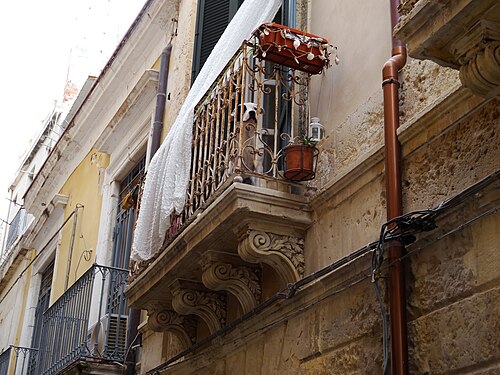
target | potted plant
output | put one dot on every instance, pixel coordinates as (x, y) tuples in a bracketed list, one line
[(301, 159)]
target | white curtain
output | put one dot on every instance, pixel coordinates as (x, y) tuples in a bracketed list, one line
[(168, 172)]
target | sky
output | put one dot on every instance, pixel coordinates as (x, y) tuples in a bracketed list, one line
[(43, 43)]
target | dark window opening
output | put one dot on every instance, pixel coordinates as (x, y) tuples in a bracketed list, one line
[(212, 19), (126, 215), (41, 307)]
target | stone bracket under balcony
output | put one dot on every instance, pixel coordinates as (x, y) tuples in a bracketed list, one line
[(283, 251), (221, 227), (190, 297), (462, 34), (162, 318), (228, 272)]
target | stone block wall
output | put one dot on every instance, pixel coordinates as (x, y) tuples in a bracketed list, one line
[(450, 141), (331, 327)]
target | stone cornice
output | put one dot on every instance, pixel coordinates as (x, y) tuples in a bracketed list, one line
[(360, 173), (461, 34), (430, 122)]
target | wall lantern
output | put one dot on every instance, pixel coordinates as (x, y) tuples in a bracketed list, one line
[(316, 130)]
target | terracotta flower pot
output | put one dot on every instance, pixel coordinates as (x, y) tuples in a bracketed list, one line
[(293, 48), (300, 162)]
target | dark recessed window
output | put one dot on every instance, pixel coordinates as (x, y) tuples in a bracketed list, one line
[(212, 19)]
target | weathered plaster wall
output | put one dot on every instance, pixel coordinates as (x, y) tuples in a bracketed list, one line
[(12, 308), (361, 32), (82, 188), (180, 70), (348, 96)]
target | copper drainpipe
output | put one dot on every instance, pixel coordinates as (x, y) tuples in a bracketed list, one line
[(161, 99), (397, 296)]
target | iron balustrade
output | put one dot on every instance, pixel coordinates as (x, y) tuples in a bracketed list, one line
[(5, 361), (17, 360), (16, 229), (85, 322), (229, 147)]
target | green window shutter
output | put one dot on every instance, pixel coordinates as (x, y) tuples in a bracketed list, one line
[(213, 18)]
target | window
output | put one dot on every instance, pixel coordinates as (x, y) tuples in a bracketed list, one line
[(41, 307), (213, 18), (126, 215)]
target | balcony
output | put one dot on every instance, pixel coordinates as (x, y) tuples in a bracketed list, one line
[(13, 252), (87, 323), (16, 228), (229, 148), (463, 35), (240, 236), (18, 360)]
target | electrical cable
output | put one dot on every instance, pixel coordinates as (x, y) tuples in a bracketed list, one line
[(438, 238), (130, 347), (385, 329), (86, 254)]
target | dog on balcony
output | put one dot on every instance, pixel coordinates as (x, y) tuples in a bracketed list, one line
[(251, 156)]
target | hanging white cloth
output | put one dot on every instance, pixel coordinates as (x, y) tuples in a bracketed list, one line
[(168, 171)]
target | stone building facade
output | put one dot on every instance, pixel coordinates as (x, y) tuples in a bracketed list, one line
[(260, 274), (318, 310)]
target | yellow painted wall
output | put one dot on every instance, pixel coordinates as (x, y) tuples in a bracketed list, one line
[(13, 297), (83, 191), (29, 257)]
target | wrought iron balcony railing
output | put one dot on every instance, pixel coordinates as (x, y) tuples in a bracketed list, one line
[(16, 228), (18, 360), (252, 111), (88, 321), (5, 361)]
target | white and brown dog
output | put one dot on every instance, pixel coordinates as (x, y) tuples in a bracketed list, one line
[(251, 156)]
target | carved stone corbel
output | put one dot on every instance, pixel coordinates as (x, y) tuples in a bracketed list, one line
[(481, 73), (463, 35), (284, 253), (224, 271), (161, 318), (190, 297)]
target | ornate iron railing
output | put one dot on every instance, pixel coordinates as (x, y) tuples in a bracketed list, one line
[(229, 142), (16, 228), (17, 360), (5, 361), (70, 333)]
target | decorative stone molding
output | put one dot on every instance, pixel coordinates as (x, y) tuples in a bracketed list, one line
[(190, 297), (284, 253), (406, 6), (481, 74), (224, 271), (461, 34), (183, 326)]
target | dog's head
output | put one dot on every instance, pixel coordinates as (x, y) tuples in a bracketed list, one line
[(250, 112)]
